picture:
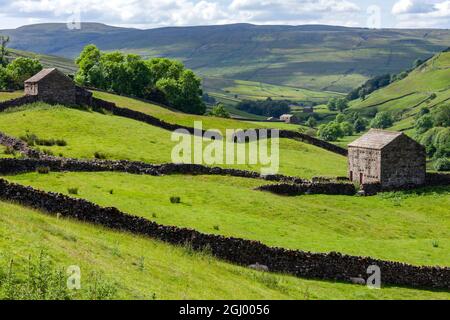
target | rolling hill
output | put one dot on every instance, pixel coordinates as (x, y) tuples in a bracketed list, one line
[(426, 86), (311, 59)]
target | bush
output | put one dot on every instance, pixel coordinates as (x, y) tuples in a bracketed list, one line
[(424, 123), (267, 108), (43, 170), (219, 111), (382, 120), (347, 128), (442, 164), (72, 190), (175, 200), (61, 143), (10, 150), (330, 132), (99, 155)]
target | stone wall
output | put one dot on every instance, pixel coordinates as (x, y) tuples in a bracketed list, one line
[(329, 188), (17, 102), (57, 88), (332, 266), (403, 164)]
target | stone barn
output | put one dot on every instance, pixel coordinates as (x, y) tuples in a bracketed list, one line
[(289, 118), (51, 85), (390, 158)]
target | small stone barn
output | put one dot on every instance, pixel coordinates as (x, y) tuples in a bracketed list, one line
[(390, 158), (289, 118), (51, 85)]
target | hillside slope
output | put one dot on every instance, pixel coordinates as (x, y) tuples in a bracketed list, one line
[(426, 86), (318, 58)]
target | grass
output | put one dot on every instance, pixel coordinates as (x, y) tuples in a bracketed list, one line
[(89, 134), (4, 96), (412, 93), (394, 226), (141, 268)]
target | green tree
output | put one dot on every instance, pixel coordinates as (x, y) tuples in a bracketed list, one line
[(359, 125), (340, 118), (442, 164), (4, 79), (330, 132), (347, 128), (219, 111), (382, 120), (4, 40), (424, 123), (341, 104), (21, 69), (163, 68), (331, 105), (442, 116), (88, 58), (311, 122)]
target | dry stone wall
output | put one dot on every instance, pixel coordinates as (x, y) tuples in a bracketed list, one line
[(17, 102), (332, 266), (329, 188)]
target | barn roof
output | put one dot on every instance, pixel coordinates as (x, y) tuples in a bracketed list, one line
[(41, 75), (286, 116), (375, 139)]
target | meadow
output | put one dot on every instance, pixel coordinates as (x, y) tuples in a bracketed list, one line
[(141, 268)]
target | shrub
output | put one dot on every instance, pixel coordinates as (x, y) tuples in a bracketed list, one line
[(330, 132), (219, 111), (175, 200), (216, 227), (61, 142), (72, 190), (29, 138), (382, 120), (442, 164), (48, 152), (347, 128), (99, 155), (43, 170)]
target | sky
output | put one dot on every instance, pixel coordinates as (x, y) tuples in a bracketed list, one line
[(158, 13)]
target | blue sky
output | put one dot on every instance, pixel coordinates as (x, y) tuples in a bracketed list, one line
[(157, 13)]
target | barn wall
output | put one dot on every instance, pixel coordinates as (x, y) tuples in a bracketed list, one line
[(366, 162), (57, 88), (403, 163)]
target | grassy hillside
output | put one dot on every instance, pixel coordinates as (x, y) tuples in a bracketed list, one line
[(404, 98), (141, 268), (48, 61), (119, 138), (4, 96), (318, 58), (399, 226)]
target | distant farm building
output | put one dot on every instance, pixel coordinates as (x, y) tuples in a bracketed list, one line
[(51, 85), (390, 158), (290, 118)]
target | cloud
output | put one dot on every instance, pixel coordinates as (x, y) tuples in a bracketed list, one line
[(422, 13)]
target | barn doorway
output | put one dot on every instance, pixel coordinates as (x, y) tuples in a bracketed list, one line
[(361, 176)]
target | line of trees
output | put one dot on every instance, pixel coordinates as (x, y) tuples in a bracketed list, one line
[(268, 107), (159, 79)]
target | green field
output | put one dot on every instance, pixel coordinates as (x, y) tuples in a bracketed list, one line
[(5, 96), (410, 227), (119, 138), (398, 226), (141, 268)]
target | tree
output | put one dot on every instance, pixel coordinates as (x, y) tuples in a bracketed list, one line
[(21, 69), (330, 132), (442, 164), (341, 104), (347, 128), (340, 118), (424, 123), (219, 111), (311, 122), (359, 125), (442, 116), (382, 120), (4, 40), (4, 79), (88, 58), (331, 105)]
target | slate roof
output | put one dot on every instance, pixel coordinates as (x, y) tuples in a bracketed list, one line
[(375, 139), (40, 75)]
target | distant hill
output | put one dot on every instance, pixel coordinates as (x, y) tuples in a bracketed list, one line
[(314, 57), (426, 86)]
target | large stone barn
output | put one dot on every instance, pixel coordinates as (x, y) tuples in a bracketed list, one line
[(51, 85), (390, 158)]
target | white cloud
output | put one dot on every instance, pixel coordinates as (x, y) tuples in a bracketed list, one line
[(422, 13)]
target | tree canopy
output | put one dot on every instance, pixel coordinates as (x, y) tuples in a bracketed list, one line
[(159, 79)]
